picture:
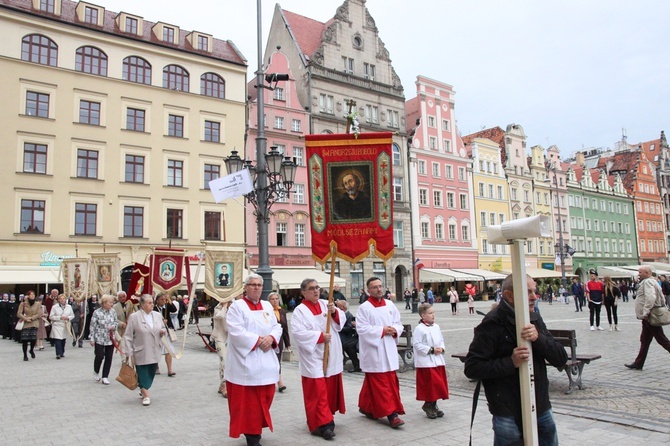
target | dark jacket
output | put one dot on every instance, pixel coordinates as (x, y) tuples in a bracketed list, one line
[(490, 359), (165, 312), (285, 340), (348, 333)]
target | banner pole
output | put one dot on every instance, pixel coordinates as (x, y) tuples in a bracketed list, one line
[(326, 348)]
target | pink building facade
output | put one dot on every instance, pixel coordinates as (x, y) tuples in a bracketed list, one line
[(440, 181)]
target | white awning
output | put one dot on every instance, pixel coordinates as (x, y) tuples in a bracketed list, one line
[(290, 278), (659, 267), (541, 273), (29, 275), (616, 272), (486, 274), (446, 275)]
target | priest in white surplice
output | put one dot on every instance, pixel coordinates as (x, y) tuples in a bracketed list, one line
[(323, 395), (378, 326), (252, 368)]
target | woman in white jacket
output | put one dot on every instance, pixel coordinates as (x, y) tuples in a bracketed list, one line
[(60, 317)]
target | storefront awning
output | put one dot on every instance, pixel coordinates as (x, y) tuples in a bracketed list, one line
[(659, 267), (485, 274), (290, 278), (446, 275), (616, 272), (29, 275), (541, 273)]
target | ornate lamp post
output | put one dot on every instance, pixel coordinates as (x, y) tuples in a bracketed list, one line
[(273, 174)]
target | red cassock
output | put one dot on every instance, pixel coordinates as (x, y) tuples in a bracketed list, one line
[(249, 408), (431, 384), (323, 397), (380, 394)]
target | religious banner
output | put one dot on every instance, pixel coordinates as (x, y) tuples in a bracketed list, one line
[(140, 282), (104, 273), (350, 181), (167, 269), (223, 273), (75, 277)]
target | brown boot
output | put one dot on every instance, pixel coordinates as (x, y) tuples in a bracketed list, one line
[(430, 412)]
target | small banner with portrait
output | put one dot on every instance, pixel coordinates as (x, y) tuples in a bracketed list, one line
[(223, 274), (350, 195), (104, 273), (167, 267), (140, 282), (75, 277)]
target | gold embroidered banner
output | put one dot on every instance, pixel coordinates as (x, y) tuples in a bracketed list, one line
[(75, 276), (223, 274), (104, 273)]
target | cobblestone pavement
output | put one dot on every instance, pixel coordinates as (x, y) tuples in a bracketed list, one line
[(49, 402)]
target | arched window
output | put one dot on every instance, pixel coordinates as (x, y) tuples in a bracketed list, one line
[(136, 69), (91, 60), (213, 85), (39, 49), (175, 78), (397, 160)]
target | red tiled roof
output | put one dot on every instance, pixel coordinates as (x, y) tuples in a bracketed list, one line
[(307, 32), (652, 156), (223, 50), (495, 134), (623, 162)]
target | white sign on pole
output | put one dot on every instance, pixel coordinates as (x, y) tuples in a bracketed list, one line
[(231, 186)]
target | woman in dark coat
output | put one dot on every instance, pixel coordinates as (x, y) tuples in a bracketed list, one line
[(285, 341)]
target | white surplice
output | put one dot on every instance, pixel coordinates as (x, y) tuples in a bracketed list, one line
[(423, 338), (378, 353)]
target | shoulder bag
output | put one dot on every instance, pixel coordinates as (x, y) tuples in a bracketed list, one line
[(127, 376), (659, 314), (19, 323)]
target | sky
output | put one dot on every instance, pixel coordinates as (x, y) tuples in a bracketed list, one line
[(573, 73)]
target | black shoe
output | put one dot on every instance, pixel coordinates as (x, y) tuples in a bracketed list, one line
[(632, 366), (32, 354), (74, 343), (368, 415), (328, 434), (57, 356), (25, 358), (253, 440)]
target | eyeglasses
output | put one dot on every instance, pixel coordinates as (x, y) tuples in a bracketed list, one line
[(255, 285), (313, 288)]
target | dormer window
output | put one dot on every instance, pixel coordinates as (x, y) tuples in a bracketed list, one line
[(91, 15), (203, 43), (168, 34), (129, 24), (48, 6), (199, 41)]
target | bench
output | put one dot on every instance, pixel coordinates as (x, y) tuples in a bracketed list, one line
[(575, 364), (405, 349)]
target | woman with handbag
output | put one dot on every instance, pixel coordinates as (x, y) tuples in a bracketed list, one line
[(143, 343), (103, 321), (285, 340), (164, 309), (611, 296), (28, 315), (60, 317)]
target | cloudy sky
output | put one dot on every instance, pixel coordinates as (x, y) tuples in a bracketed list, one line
[(573, 73)]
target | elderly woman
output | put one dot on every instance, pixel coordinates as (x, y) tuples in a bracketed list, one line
[(143, 343), (285, 341), (29, 313), (103, 322), (60, 316)]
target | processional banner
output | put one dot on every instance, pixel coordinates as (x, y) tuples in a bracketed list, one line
[(104, 273), (140, 282), (167, 267), (351, 205), (223, 274), (75, 277)]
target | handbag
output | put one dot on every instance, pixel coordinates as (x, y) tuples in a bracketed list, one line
[(127, 376), (172, 335), (19, 325), (287, 356), (659, 316)]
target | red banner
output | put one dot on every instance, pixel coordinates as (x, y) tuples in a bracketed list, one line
[(140, 282), (167, 269), (351, 206)]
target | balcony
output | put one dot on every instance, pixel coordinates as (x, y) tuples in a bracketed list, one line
[(360, 82)]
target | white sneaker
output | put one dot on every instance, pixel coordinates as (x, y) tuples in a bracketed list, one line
[(616, 328), (146, 401), (611, 328), (593, 328), (105, 381), (96, 376), (600, 328)]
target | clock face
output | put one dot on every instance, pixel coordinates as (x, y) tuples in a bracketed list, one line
[(462, 152), (430, 102), (416, 143)]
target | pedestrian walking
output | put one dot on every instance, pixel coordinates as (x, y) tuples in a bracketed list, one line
[(594, 294), (611, 296)]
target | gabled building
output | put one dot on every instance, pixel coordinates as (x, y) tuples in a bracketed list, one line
[(112, 126), (334, 62), (658, 152)]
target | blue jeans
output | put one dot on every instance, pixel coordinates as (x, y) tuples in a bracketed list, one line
[(60, 346), (507, 433)]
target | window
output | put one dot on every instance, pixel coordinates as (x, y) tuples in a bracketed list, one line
[(448, 171), (580, 223), (212, 131), (296, 125), (175, 78), (447, 145), (134, 169), (500, 193), (514, 194), (464, 201), (452, 231), (629, 247), (393, 120), (481, 189), (397, 189), (431, 121), (299, 234), (396, 155), (425, 230), (212, 85), (168, 34), (571, 200), (602, 205), (465, 233), (491, 191), (439, 231), (482, 219), (446, 126), (135, 119), (423, 197), (299, 193), (422, 167), (298, 154), (32, 216), (37, 104), (87, 163), (485, 246), (348, 65), (281, 234), (175, 173), (372, 114), (526, 196), (573, 222), (85, 216), (89, 112), (368, 71), (279, 122), (136, 69), (176, 126), (39, 49), (131, 25), (174, 223), (203, 43), (91, 60), (212, 172), (34, 158), (529, 245), (625, 209), (432, 142), (212, 225), (398, 235), (48, 6), (326, 103), (461, 173), (133, 221), (437, 198), (587, 224), (91, 15), (278, 94), (492, 218), (436, 170), (451, 200), (596, 225)]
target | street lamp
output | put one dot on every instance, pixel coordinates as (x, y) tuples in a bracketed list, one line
[(273, 174), (559, 247)]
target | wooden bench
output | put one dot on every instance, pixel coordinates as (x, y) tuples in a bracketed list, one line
[(575, 363), (405, 349)]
